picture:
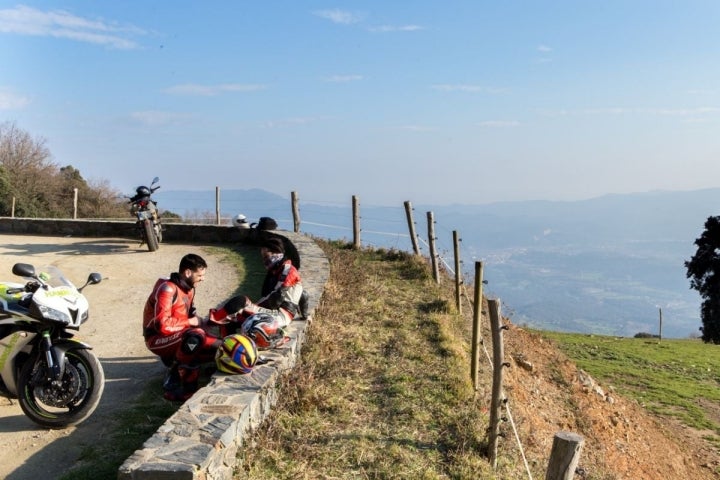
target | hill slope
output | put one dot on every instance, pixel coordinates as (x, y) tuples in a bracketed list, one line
[(383, 391)]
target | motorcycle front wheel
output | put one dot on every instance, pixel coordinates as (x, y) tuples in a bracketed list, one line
[(150, 236), (70, 400)]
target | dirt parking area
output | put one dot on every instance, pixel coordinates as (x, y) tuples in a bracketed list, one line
[(129, 271)]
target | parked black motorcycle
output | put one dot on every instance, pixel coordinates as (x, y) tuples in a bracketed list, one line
[(144, 208), (55, 377)]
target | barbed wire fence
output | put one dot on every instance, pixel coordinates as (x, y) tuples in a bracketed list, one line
[(566, 446), (388, 231)]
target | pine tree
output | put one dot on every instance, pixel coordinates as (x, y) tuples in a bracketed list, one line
[(703, 270)]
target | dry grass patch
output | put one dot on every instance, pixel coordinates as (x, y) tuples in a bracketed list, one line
[(382, 390)]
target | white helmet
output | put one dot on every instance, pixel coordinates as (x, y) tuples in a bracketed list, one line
[(240, 221)]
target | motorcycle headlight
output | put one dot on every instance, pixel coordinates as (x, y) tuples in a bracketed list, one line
[(57, 315)]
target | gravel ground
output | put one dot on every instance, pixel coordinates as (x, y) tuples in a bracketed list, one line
[(129, 271)]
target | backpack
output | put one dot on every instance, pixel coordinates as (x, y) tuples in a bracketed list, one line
[(265, 223)]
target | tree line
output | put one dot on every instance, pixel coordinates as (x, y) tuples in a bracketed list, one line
[(33, 186)]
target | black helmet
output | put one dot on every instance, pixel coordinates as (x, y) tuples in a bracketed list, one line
[(143, 191)]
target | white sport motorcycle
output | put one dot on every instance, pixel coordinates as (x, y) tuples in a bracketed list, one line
[(57, 379)]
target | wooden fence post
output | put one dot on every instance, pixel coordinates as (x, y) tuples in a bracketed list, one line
[(217, 205), (295, 211), (564, 456), (660, 331), (356, 221), (458, 274), (498, 374), (477, 317), (431, 242), (411, 227)]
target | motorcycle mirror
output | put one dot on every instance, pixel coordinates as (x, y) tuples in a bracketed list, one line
[(155, 180), (23, 270), (93, 279)]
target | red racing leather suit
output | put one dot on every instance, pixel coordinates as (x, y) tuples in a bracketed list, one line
[(166, 323)]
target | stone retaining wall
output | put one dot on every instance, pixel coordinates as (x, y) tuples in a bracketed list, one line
[(201, 440), (172, 232)]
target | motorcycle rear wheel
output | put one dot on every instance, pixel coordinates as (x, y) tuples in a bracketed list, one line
[(150, 237), (58, 406), (158, 231)]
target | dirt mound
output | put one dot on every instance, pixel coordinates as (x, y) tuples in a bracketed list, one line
[(547, 393)]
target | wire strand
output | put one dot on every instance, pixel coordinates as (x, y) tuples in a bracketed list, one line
[(517, 439)]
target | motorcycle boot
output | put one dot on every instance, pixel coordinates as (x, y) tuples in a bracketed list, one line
[(189, 376), (304, 305), (172, 378)]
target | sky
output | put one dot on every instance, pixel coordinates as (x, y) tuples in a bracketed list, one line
[(434, 102)]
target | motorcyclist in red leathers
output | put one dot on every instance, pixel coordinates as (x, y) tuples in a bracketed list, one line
[(282, 292), (174, 332)]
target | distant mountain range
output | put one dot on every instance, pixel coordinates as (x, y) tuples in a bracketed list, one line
[(607, 265)]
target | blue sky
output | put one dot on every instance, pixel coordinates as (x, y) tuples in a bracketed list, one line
[(428, 101)]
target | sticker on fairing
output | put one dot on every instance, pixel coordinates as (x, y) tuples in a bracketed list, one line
[(6, 353), (60, 292)]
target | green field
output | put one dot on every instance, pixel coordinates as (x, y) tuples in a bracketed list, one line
[(677, 377)]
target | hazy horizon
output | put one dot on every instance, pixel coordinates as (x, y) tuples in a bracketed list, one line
[(606, 265)]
